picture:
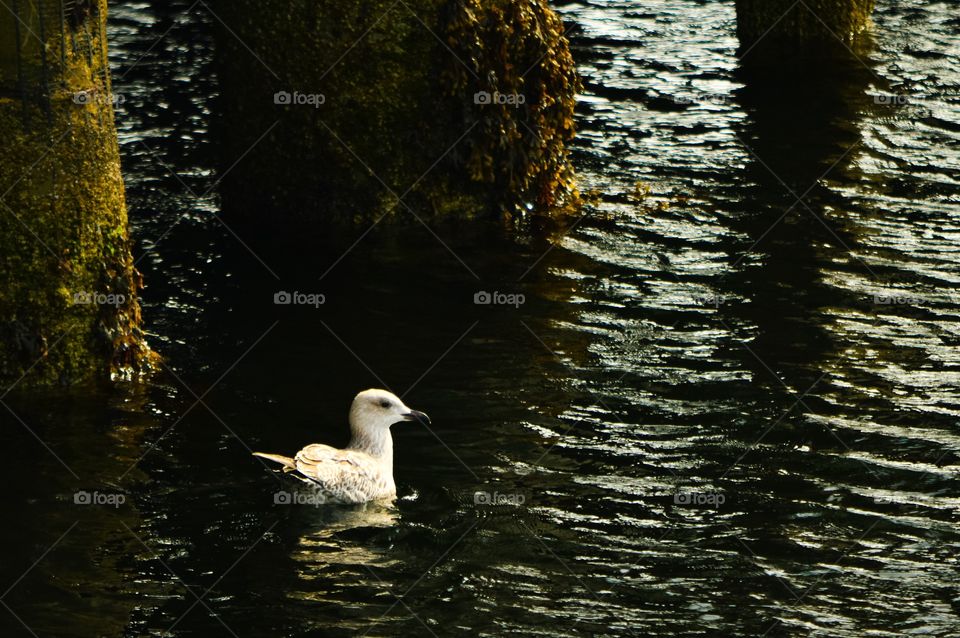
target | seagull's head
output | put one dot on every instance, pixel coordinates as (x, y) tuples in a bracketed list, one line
[(379, 409)]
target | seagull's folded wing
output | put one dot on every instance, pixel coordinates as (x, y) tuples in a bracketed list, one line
[(345, 474)]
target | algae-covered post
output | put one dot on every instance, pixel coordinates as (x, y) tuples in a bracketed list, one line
[(341, 109), (773, 28), (68, 304)]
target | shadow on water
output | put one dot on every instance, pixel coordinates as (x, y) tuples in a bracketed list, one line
[(802, 134), (67, 510)]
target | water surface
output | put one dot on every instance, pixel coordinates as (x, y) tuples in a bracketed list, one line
[(728, 407)]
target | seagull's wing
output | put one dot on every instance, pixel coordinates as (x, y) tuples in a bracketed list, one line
[(348, 476), (287, 463)]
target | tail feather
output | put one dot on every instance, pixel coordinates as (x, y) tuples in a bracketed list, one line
[(287, 462)]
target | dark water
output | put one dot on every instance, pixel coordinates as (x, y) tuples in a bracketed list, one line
[(726, 408)]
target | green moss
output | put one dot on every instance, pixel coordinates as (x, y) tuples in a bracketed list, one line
[(774, 28), (399, 86), (515, 50), (63, 231)]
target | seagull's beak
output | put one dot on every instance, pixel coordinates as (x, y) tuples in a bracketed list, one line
[(416, 415)]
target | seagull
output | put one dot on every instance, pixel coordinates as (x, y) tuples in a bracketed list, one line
[(363, 471)]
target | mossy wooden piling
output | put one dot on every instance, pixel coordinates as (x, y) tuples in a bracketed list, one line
[(68, 287)]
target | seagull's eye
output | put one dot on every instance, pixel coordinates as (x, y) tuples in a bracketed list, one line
[(384, 403)]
